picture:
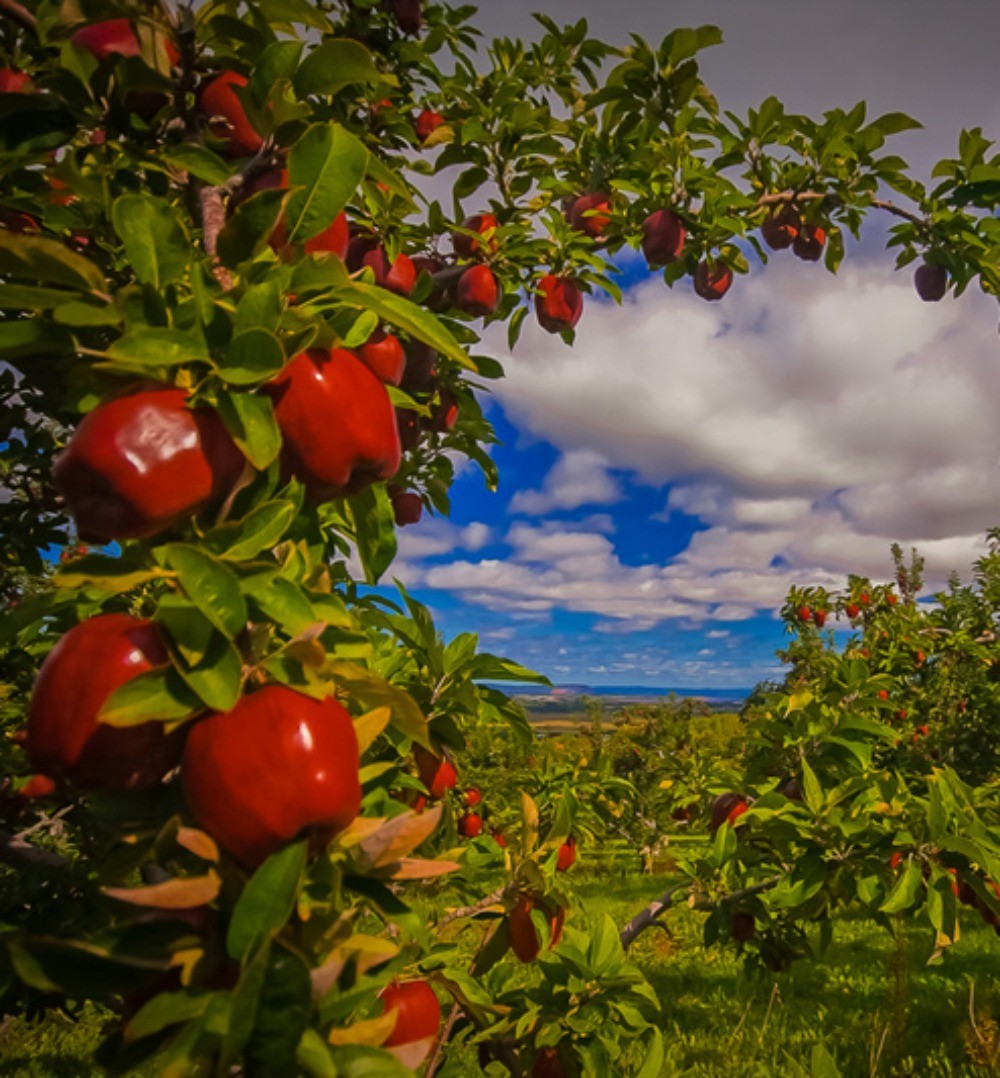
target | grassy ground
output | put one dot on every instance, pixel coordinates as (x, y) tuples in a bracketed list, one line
[(878, 1008)]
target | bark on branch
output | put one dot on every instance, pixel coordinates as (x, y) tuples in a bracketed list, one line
[(19, 14)]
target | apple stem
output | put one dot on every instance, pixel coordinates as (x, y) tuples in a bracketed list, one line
[(16, 13)]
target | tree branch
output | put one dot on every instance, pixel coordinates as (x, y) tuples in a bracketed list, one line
[(470, 911), (780, 197), (442, 1039), (213, 217), (16, 13)]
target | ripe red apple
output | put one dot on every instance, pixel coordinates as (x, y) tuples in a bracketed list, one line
[(558, 303), (663, 236), (500, 839), (743, 926), (883, 694), (37, 786), (852, 610), (566, 855), (64, 738), (418, 1012), (712, 280), (470, 825), (437, 773), (589, 215), (398, 276), (13, 81), (227, 119), (426, 123), (485, 224), (334, 238), (472, 797), (445, 412), (804, 613), (115, 37), (931, 282), (895, 861), (17, 222), (407, 508), (409, 426), (277, 765), (727, 808), (819, 617), (524, 939), (141, 463), (359, 245), (421, 367), (477, 292), (548, 1065), (781, 229), (408, 14), (337, 423), (383, 354), (810, 241)]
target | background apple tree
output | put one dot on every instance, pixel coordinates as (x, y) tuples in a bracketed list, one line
[(248, 252)]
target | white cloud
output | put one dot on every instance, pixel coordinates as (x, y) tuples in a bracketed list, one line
[(579, 478)]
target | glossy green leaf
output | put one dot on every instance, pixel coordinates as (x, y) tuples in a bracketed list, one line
[(157, 346), (282, 602), (283, 1015), (243, 1006), (249, 419), (904, 895), (154, 240), (246, 232), (199, 161), (49, 262), (168, 1009), (156, 696), (325, 167), (210, 585), (113, 575), (252, 356), (258, 531), (267, 901), (334, 65), (76, 969), (371, 514)]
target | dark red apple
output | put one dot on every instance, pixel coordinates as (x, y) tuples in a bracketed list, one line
[(421, 367), (227, 119), (931, 282), (398, 276), (485, 224), (418, 1012), (64, 738), (407, 508), (727, 808), (477, 292), (437, 773), (524, 939), (472, 797), (712, 280), (141, 463), (852, 610), (409, 425), (359, 245), (819, 618), (337, 423), (558, 303), (278, 765), (781, 228), (743, 926), (470, 825), (18, 222), (663, 236), (13, 81), (36, 787), (408, 14), (548, 1065), (445, 412), (115, 37), (809, 243), (589, 214), (566, 855), (804, 613), (384, 355), (426, 123)]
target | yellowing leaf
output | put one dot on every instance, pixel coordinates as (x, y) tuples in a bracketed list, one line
[(179, 894), (411, 868), (370, 725), (396, 838), (371, 1032), (359, 830), (198, 843), (797, 701)]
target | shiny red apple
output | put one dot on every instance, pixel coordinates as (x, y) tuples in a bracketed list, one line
[(399, 275), (276, 766), (566, 855), (437, 773), (782, 227), (470, 825), (227, 118), (418, 1012), (407, 508), (663, 236), (64, 738), (477, 292), (383, 354), (141, 463), (558, 303), (466, 246), (426, 123), (524, 939), (809, 243), (589, 214), (712, 280)]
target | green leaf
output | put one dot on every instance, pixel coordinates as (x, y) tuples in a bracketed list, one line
[(652, 1065), (197, 160), (280, 60), (243, 1006), (604, 951), (258, 531), (355, 1061), (81, 312), (113, 575), (893, 123), (283, 602), (217, 677), (249, 419), (371, 513), (155, 696), (154, 240), (252, 356), (324, 167), (332, 66), (49, 262), (811, 788), (33, 337), (904, 895), (168, 1009), (157, 346), (313, 1056), (26, 297), (822, 1064), (267, 901), (282, 1016), (247, 231), (77, 969), (212, 586)]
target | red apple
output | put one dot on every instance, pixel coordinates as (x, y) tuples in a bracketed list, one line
[(500, 839), (141, 463), (421, 367), (895, 860), (227, 119), (566, 855), (418, 1013), (727, 808), (524, 939), (486, 225), (398, 276), (548, 1065), (558, 303), (743, 926), (18, 222), (64, 738), (37, 786), (663, 236), (426, 123), (437, 773), (472, 797), (470, 825), (383, 354), (883, 694), (931, 282), (278, 765), (407, 508), (804, 613), (359, 245), (408, 15), (337, 423), (819, 617), (409, 426), (115, 37), (810, 241), (477, 292), (712, 280), (13, 81), (589, 215), (852, 610), (781, 229)]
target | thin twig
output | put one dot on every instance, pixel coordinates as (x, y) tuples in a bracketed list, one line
[(470, 911), (442, 1039), (790, 196), (16, 13)]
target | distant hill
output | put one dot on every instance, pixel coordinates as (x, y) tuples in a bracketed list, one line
[(625, 693)]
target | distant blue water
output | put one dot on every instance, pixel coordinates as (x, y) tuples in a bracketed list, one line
[(631, 692)]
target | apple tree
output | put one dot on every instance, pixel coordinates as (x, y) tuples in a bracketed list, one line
[(248, 252)]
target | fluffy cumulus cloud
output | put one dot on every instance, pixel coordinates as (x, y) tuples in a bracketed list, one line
[(579, 478)]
